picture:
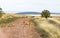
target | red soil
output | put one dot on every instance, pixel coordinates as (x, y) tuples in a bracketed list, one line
[(21, 28)]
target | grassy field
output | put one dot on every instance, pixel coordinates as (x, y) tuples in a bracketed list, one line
[(49, 30), (43, 26)]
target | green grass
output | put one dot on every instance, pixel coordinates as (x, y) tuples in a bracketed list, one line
[(8, 20)]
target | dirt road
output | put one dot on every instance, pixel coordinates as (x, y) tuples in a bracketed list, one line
[(21, 28), (2, 34)]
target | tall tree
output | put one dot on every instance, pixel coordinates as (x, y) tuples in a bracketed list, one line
[(45, 13)]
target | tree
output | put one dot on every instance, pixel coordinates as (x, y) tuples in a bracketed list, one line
[(1, 12), (45, 13)]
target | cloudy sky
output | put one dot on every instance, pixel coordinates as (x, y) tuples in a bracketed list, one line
[(30, 5)]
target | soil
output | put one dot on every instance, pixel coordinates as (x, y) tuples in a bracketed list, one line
[(21, 28)]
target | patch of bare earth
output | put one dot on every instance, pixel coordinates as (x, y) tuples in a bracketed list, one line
[(21, 28)]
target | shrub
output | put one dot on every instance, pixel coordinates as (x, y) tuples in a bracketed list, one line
[(45, 13)]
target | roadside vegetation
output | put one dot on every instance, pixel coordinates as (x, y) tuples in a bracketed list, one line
[(45, 28), (8, 18), (41, 31)]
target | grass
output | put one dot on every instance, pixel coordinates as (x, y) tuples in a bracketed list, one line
[(46, 29), (41, 31), (7, 18)]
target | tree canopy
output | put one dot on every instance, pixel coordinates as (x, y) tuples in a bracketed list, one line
[(45, 13)]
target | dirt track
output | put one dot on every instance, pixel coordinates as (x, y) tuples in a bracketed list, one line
[(2, 34), (21, 28)]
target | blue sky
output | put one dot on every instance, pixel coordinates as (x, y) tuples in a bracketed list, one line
[(30, 5)]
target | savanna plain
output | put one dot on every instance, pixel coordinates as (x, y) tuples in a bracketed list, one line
[(21, 26)]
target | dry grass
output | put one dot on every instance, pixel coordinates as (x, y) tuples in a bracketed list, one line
[(7, 18), (51, 29), (56, 17)]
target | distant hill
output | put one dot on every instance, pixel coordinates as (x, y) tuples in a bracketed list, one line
[(33, 13), (55, 13), (28, 13)]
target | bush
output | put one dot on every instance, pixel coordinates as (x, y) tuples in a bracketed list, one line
[(8, 20), (45, 13)]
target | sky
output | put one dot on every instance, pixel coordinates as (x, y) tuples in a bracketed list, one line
[(13, 6)]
